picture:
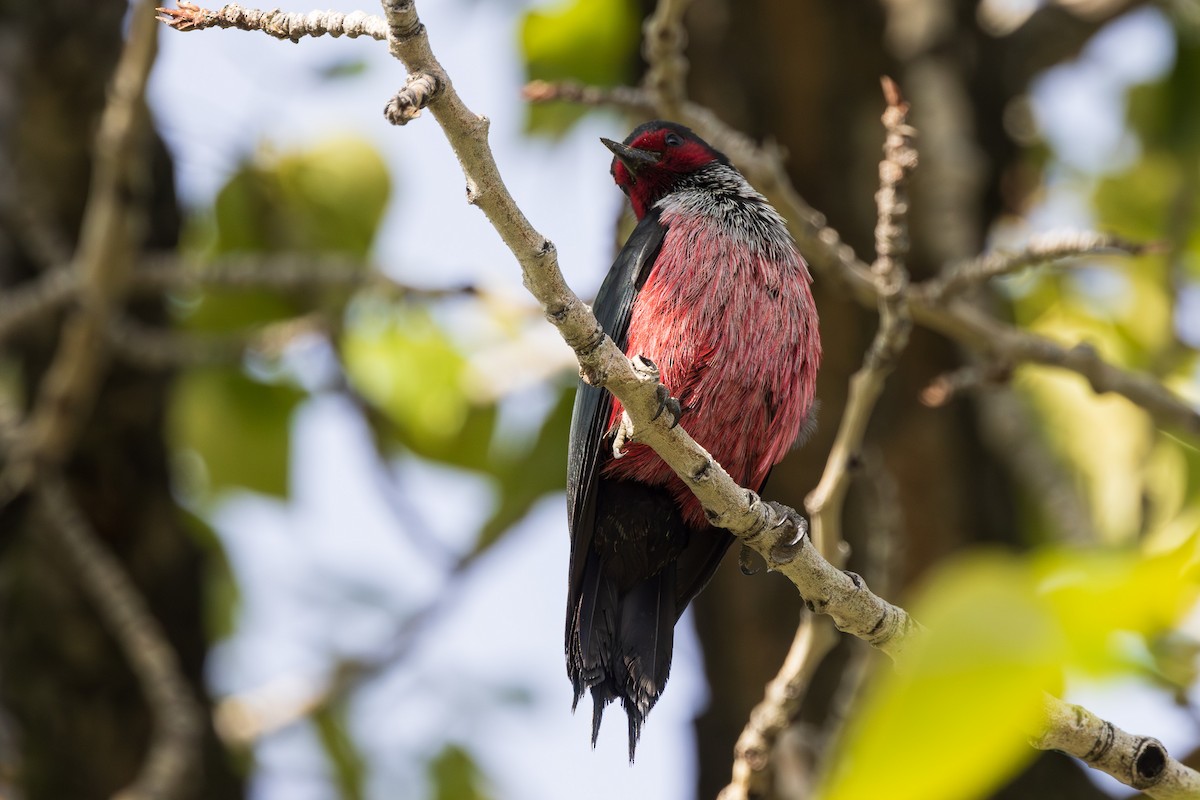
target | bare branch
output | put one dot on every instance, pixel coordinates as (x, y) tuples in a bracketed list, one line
[(281, 25), (624, 97), (945, 387), (173, 757), (112, 222), (1046, 248), (1005, 343), (284, 271), (663, 40), (752, 753), (1138, 761), (35, 300), (159, 348), (244, 718), (824, 503)]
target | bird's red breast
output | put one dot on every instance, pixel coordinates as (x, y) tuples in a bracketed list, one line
[(728, 317)]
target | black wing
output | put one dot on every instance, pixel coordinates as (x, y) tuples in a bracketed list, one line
[(613, 307)]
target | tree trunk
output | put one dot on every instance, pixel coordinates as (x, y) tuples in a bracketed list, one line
[(75, 724)]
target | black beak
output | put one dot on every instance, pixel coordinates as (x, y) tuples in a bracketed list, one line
[(633, 158)]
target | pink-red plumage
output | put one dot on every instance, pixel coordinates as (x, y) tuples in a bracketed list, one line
[(710, 287), (733, 331)]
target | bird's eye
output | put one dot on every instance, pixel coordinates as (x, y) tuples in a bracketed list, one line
[(673, 140)]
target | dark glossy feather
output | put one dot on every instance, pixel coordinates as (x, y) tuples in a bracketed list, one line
[(589, 419), (635, 563)]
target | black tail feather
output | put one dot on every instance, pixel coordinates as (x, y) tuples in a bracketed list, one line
[(621, 646), (635, 565), (601, 697)]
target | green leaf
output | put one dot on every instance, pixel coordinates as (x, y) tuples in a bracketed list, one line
[(1135, 203), (328, 199), (536, 473), (222, 596), (238, 427), (455, 776), (953, 718), (591, 41), (1072, 413), (349, 769), (416, 381), (1098, 593), (405, 365)]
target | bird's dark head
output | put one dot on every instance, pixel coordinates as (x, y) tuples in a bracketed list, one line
[(652, 159)]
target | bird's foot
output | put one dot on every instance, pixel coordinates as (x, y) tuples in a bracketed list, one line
[(669, 404), (623, 436), (649, 371)]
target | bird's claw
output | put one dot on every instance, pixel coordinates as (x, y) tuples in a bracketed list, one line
[(623, 436), (667, 403)]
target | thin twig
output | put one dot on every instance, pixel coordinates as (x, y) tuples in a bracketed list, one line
[(244, 718), (751, 775), (281, 25), (173, 758), (37, 299), (949, 385), (824, 503), (752, 755), (283, 271), (1042, 249), (624, 97), (160, 348), (880, 505)]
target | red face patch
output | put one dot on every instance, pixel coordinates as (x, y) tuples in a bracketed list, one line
[(677, 155)]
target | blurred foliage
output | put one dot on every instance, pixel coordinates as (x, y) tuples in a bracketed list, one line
[(454, 776), (222, 596), (349, 770), (1137, 479), (327, 199), (592, 41), (420, 392), (1000, 631), (964, 697), (340, 70), (237, 425), (323, 201), (409, 369)]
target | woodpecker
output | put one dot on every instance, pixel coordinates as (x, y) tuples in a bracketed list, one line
[(711, 288)]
